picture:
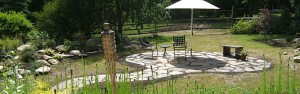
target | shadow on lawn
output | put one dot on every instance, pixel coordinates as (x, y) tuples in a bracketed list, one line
[(262, 39)]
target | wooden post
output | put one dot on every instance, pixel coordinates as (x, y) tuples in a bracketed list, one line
[(109, 46)]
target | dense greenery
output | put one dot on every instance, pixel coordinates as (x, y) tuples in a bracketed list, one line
[(14, 24), (244, 27), (78, 19)]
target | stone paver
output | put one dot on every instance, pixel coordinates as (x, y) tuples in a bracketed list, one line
[(164, 67)]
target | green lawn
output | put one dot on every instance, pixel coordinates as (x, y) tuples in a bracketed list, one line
[(208, 41), (212, 41)]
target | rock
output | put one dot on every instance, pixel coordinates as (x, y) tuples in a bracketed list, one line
[(297, 59), (19, 76), (23, 47), (83, 55), (279, 42), (43, 62), (53, 61), (59, 47), (47, 57), (41, 51), (296, 40), (75, 52), (66, 55), (23, 71), (1, 67), (43, 70), (284, 53)]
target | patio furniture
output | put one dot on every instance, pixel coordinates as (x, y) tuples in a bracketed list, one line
[(179, 43), (146, 45), (165, 46), (226, 50)]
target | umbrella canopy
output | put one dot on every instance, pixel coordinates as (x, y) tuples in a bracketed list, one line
[(192, 4)]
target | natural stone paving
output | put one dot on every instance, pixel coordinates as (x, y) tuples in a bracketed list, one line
[(162, 67)]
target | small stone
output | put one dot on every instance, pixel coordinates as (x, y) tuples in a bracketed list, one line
[(43, 62), (284, 53), (297, 59), (47, 57), (23, 47), (53, 61), (43, 70), (75, 52)]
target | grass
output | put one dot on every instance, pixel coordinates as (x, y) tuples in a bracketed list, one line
[(63, 70), (278, 79), (212, 40)]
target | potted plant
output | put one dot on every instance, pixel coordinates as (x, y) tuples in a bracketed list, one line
[(243, 55)]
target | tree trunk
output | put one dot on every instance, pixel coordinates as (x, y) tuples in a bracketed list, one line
[(119, 21)]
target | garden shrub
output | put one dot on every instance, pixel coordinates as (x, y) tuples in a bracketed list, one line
[(58, 57), (92, 44), (63, 49), (28, 55), (49, 51), (244, 27), (69, 44), (34, 65), (265, 21), (49, 43), (9, 44), (14, 24)]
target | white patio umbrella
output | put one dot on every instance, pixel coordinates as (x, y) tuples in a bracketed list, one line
[(192, 4)]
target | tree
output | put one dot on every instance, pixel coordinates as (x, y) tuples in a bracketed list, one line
[(64, 19), (265, 22), (15, 5)]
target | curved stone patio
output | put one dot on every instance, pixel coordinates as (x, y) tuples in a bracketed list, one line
[(161, 67)]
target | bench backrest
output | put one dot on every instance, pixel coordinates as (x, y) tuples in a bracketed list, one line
[(179, 41)]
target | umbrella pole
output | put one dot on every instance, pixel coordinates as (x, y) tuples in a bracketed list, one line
[(192, 17)]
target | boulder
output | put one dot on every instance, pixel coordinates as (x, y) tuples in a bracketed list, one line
[(75, 52), (279, 42), (47, 57), (59, 47), (66, 55), (53, 61), (22, 47), (23, 71), (41, 51), (1, 67), (43, 70), (296, 52), (297, 59), (44, 62), (296, 40), (83, 55)]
